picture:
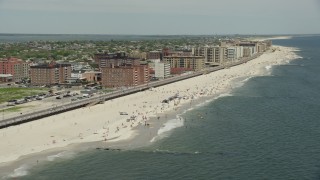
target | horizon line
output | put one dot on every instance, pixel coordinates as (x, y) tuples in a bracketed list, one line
[(1, 33)]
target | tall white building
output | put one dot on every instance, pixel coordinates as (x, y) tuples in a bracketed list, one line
[(162, 70), (234, 52)]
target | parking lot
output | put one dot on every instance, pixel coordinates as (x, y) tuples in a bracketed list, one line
[(16, 107)]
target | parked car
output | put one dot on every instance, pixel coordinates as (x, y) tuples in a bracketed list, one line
[(39, 98), (58, 97), (67, 95), (20, 101)]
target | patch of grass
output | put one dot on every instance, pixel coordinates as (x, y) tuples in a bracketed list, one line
[(14, 109), (107, 90), (11, 93)]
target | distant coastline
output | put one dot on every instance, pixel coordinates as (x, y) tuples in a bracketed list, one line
[(11, 37)]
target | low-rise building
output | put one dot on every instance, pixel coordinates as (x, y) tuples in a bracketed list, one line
[(92, 76), (6, 78), (77, 74)]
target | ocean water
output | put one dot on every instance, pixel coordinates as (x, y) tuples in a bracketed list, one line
[(13, 38), (269, 128)]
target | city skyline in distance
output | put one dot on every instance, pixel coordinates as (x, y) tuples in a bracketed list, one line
[(150, 17)]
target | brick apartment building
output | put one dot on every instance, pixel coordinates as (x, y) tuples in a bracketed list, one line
[(48, 74), (154, 55), (105, 59), (120, 71), (15, 67), (125, 76)]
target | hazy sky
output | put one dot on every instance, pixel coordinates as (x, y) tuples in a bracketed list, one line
[(160, 16)]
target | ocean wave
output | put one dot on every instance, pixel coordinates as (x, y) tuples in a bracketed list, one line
[(215, 98), (167, 127), (224, 95), (247, 79), (175, 152), (63, 155), (19, 172), (268, 67), (203, 103), (237, 84)]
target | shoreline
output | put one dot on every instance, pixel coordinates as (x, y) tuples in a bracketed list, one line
[(145, 110)]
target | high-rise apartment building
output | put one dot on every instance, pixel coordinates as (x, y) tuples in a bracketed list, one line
[(234, 52), (124, 76), (15, 67), (118, 70), (213, 56), (162, 70), (48, 74), (194, 63), (154, 55)]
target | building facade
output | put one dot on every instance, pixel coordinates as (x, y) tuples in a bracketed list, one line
[(16, 67), (92, 76), (6, 78), (234, 52), (48, 74), (124, 76), (214, 55), (114, 59), (194, 63), (162, 70), (248, 51), (154, 55), (118, 70), (261, 47)]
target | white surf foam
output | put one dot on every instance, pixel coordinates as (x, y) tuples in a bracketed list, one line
[(62, 155), (167, 127), (238, 84), (19, 172), (247, 79), (268, 67), (223, 95)]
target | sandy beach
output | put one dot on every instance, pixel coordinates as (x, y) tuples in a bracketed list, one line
[(105, 124)]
